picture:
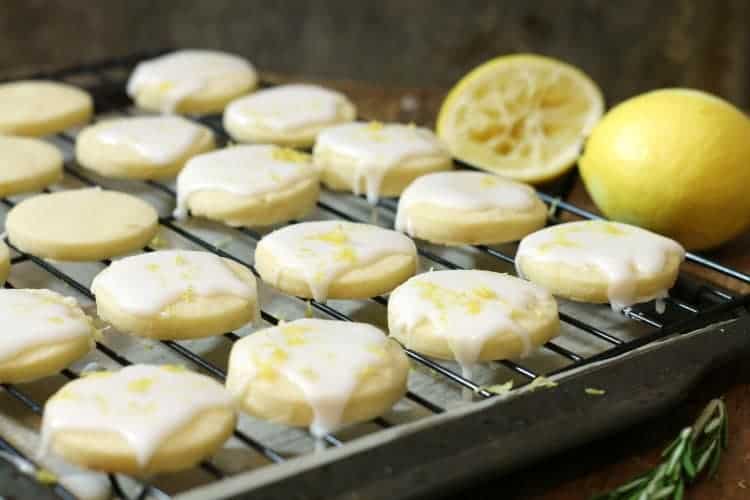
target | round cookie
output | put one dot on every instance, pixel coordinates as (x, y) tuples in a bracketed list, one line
[(335, 259), (37, 107), (152, 147), (248, 186), (176, 294), (140, 420), (471, 316), (599, 261), (4, 262), (459, 208), (287, 115), (191, 81), (318, 373), (377, 159), (28, 165), (81, 224), (43, 332)]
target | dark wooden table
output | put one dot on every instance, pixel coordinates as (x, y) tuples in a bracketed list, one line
[(605, 464)]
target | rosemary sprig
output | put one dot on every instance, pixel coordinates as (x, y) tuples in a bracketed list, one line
[(696, 450)]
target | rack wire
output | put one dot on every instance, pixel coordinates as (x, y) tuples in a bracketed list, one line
[(692, 304)]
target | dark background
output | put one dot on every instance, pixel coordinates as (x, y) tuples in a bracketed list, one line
[(626, 46)]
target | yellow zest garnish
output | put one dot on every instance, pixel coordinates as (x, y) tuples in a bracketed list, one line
[(347, 254), (159, 242), (165, 86), (45, 476), (541, 382), (56, 320), (309, 374), (485, 292), (374, 126), (140, 385), (336, 237), (501, 389), (290, 155), (180, 260), (488, 182), (174, 368), (294, 334), (152, 267), (189, 295)]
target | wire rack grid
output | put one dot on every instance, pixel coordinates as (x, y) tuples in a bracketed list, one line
[(692, 303)]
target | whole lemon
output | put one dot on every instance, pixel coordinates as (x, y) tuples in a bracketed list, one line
[(675, 161)]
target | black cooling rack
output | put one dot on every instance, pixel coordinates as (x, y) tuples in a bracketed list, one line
[(692, 304)]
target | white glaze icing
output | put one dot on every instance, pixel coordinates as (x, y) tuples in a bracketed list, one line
[(322, 251), (147, 283), (144, 404), (623, 253), (185, 72), (466, 307), (287, 108), (244, 170), (463, 190), (376, 148), (160, 139), (38, 317), (324, 358)]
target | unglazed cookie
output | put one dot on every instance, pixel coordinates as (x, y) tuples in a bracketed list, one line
[(457, 208), (140, 420), (81, 224), (141, 147), (287, 115), (191, 81), (335, 259), (248, 186), (37, 107), (471, 316), (377, 159), (4, 262), (318, 373), (27, 165), (43, 332), (176, 294), (599, 261)]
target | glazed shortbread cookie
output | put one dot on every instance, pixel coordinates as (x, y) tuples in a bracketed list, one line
[(471, 316), (377, 159), (456, 208), (176, 294), (287, 115), (43, 332), (600, 261), (140, 420), (317, 373), (36, 107), (81, 224), (191, 81), (4, 262), (248, 186), (27, 165), (151, 147), (335, 259)]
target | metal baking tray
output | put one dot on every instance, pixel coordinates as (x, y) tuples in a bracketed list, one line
[(431, 441)]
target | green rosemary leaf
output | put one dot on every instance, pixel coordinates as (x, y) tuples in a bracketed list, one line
[(679, 492), (687, 462), (704, 456), (695, 450)]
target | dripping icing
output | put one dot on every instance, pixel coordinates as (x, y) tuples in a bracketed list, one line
[(376, 148), (243, 170)]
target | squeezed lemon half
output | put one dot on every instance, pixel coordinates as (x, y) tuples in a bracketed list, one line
[(522, 116)]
